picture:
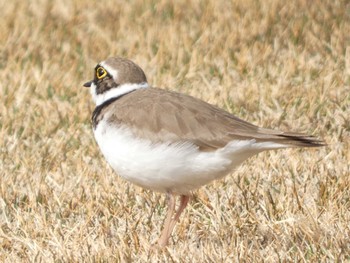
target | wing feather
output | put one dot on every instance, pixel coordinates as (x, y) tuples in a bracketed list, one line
[(166, 116)]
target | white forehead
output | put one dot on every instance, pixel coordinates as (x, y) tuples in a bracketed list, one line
[(110, 70)]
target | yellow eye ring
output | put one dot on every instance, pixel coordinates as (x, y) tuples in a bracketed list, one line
[(101, 73)]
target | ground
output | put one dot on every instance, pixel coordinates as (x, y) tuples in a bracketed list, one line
[(277, 64)]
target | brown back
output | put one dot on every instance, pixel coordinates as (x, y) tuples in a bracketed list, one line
[(161, 115)]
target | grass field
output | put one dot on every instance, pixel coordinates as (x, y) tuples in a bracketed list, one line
[(278, 64)]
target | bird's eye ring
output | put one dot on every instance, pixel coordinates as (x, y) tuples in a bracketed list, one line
[(101, 72)]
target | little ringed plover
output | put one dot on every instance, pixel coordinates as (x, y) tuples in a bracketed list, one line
[(171, 142)]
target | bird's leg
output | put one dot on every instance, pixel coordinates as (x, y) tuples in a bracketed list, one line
[(183, 203), (163, 239), (170, 223)]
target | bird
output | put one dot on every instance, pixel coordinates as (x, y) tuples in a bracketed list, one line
[(170, 142)]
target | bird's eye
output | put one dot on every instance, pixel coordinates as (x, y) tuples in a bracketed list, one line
[(101, 72)]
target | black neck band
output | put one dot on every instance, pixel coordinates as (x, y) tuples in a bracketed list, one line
[(99, 108)]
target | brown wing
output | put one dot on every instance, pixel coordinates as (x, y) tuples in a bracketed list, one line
[(162, 115)]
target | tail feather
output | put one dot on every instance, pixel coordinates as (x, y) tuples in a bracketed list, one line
[(291, 139), (301, 140)]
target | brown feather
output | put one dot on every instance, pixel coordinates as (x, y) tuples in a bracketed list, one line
[(165, 116)]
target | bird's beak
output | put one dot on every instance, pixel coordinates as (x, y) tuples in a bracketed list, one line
[(88, 84)]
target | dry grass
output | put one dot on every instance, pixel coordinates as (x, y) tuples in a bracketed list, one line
[(282, 64)]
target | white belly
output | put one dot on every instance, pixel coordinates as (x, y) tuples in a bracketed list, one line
[(178, 168)]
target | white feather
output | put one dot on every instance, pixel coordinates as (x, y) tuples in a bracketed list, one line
[(178, 168), (110, 70), (114, 92)]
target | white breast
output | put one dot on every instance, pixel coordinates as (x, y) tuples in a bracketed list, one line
[(178, 168)]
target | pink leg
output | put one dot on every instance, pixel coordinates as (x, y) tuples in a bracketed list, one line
[(163, 239), (183, 203), (170, 222)]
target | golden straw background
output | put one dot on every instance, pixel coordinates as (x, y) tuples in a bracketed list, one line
[(278, 64)]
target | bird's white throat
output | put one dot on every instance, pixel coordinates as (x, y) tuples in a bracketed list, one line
[(115, 92)]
